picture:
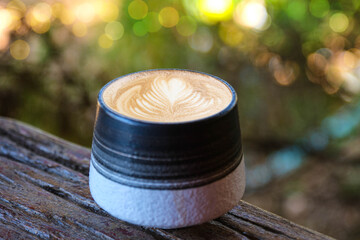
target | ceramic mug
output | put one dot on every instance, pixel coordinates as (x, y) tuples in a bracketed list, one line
[(167, 174)]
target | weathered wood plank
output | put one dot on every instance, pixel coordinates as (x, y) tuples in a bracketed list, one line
[(44, 194), (10, 232), (271, 222), (49, 146), (208, 231), (35, 205)]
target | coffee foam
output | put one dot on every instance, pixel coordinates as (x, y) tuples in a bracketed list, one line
[(167, 96)]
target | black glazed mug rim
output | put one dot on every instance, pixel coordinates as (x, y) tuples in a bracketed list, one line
[(123, 117)]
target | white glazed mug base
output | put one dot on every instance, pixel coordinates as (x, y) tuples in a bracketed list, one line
[(168, 208)]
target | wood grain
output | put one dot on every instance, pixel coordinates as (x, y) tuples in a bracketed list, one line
[(44, 194)]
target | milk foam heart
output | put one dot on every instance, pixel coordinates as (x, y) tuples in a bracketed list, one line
[(167, 96)]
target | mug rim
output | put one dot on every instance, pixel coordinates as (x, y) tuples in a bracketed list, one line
[(129, 119)]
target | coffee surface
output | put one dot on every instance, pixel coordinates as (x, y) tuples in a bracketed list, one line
[(167, 96)]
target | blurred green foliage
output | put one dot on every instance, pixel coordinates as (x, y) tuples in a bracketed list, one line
[(55, 56)]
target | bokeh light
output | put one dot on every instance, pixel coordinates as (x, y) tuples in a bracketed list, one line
[(79, 29), (139, 29), (317, 64), (251, 14), (344, 70), (319, 8), (42, 27), (114, 30), (349, 60), (4, 40), (17, 5), (67, 17), (104, 41), (107, 11), (151, 22), (338, 22), (215, 10), (19, 50), (5, 19), (85, 12), (296, 9), (168, 17), (286, 74), (138, 9), (186, 26), (202, 41), (42, 12), (230, 34), (56, 9), (234, 17), (39, 17)]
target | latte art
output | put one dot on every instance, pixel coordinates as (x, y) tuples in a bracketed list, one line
[(167, 96), (172, 99)]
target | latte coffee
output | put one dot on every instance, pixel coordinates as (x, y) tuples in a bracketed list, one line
[(167, 148), (167, 96)]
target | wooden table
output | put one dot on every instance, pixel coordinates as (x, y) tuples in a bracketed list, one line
[(44, 194)]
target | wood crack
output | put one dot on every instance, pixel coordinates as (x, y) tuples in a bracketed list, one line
[(23, 208), (7, 217), (58, 191), (248, 228), (62, 221), (30, 159), (247, 235), (45, 151), (98, 234), (161, 234), (6, 179), (267, 228)]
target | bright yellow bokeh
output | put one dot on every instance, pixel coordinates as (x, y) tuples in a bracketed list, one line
[(41, 27), (107, 11), (30, 20), (339, 22), (168, 17), (67, 17), (230, 34), (9, 19), (39, 21), (5, 19), (114, 30), (57, 9), (104, 41), (216, 10), (85, 12), (79, 29), (17, 5), (42, 12), (138, 9), (186, 26), (251, 14), (19, 50)]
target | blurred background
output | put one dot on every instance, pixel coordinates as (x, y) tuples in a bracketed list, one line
[(295, 65)]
